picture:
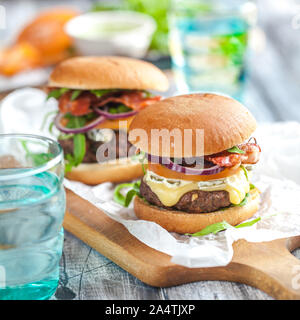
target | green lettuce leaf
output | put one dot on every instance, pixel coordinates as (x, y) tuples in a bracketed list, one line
[(236, 149), (57, 93)]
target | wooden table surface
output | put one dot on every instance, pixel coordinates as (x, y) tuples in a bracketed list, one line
[(272, 94)]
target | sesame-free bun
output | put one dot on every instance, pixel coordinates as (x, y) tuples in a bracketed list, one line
[(87, 73), (120, 170), (223, 121), (182, 222)]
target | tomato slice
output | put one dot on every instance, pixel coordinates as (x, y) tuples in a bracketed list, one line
[(167, 173)]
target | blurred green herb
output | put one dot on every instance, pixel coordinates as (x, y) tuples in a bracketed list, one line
[(232, 46), (37, 159)]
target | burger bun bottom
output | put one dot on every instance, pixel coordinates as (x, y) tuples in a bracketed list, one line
[(182, 222), (115, 171)]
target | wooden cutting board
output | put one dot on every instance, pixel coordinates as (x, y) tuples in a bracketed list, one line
[(268, 266)]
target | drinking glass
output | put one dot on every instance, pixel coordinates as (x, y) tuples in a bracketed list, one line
[(32, 207), (208, 44)]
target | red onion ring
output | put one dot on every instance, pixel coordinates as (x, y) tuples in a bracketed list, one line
[(113, 116), (84, 129), (186, 170)]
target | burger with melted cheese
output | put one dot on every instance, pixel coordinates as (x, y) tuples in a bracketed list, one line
[(186, 189), (98, 97)]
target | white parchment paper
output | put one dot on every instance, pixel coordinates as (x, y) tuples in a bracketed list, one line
[(277, 175)]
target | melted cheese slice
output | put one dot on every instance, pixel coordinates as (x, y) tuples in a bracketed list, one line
[(116, 124), (169, 191)]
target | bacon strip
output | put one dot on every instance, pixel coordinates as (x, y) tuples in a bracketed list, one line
[(228, 159), (133, 99), (252, 153), (82, 105), (78, 107)]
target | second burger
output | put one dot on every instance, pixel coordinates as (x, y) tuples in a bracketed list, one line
[(98, 98)]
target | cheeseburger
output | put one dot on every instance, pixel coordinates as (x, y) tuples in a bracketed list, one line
[(97, 99), (185, 189)]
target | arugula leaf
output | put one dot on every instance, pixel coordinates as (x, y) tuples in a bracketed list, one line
[(38, 159), (252, 186), (57, 93), (47, 115), (119, 109), (142, 160), (213, 228), (147, 94), (41, 158), (79, 143), (71, 162), (51, 125), (74, 121), (236, 149), (129, 196), (136, 186), (245, 171), (243, 202), (126, 200), (64, 136), (221, 226), (75, 94), (248, 223), (100, 93), (79, 147), (69, 165)]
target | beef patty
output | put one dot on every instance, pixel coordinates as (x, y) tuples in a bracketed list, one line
[(121, 142), (195, 201)]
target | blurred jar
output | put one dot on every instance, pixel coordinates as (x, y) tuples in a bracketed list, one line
[(209, 43)]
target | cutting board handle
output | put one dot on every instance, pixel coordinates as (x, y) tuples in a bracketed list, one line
[(269, 266)]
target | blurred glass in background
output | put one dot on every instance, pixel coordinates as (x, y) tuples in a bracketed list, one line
[(208, 43)]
